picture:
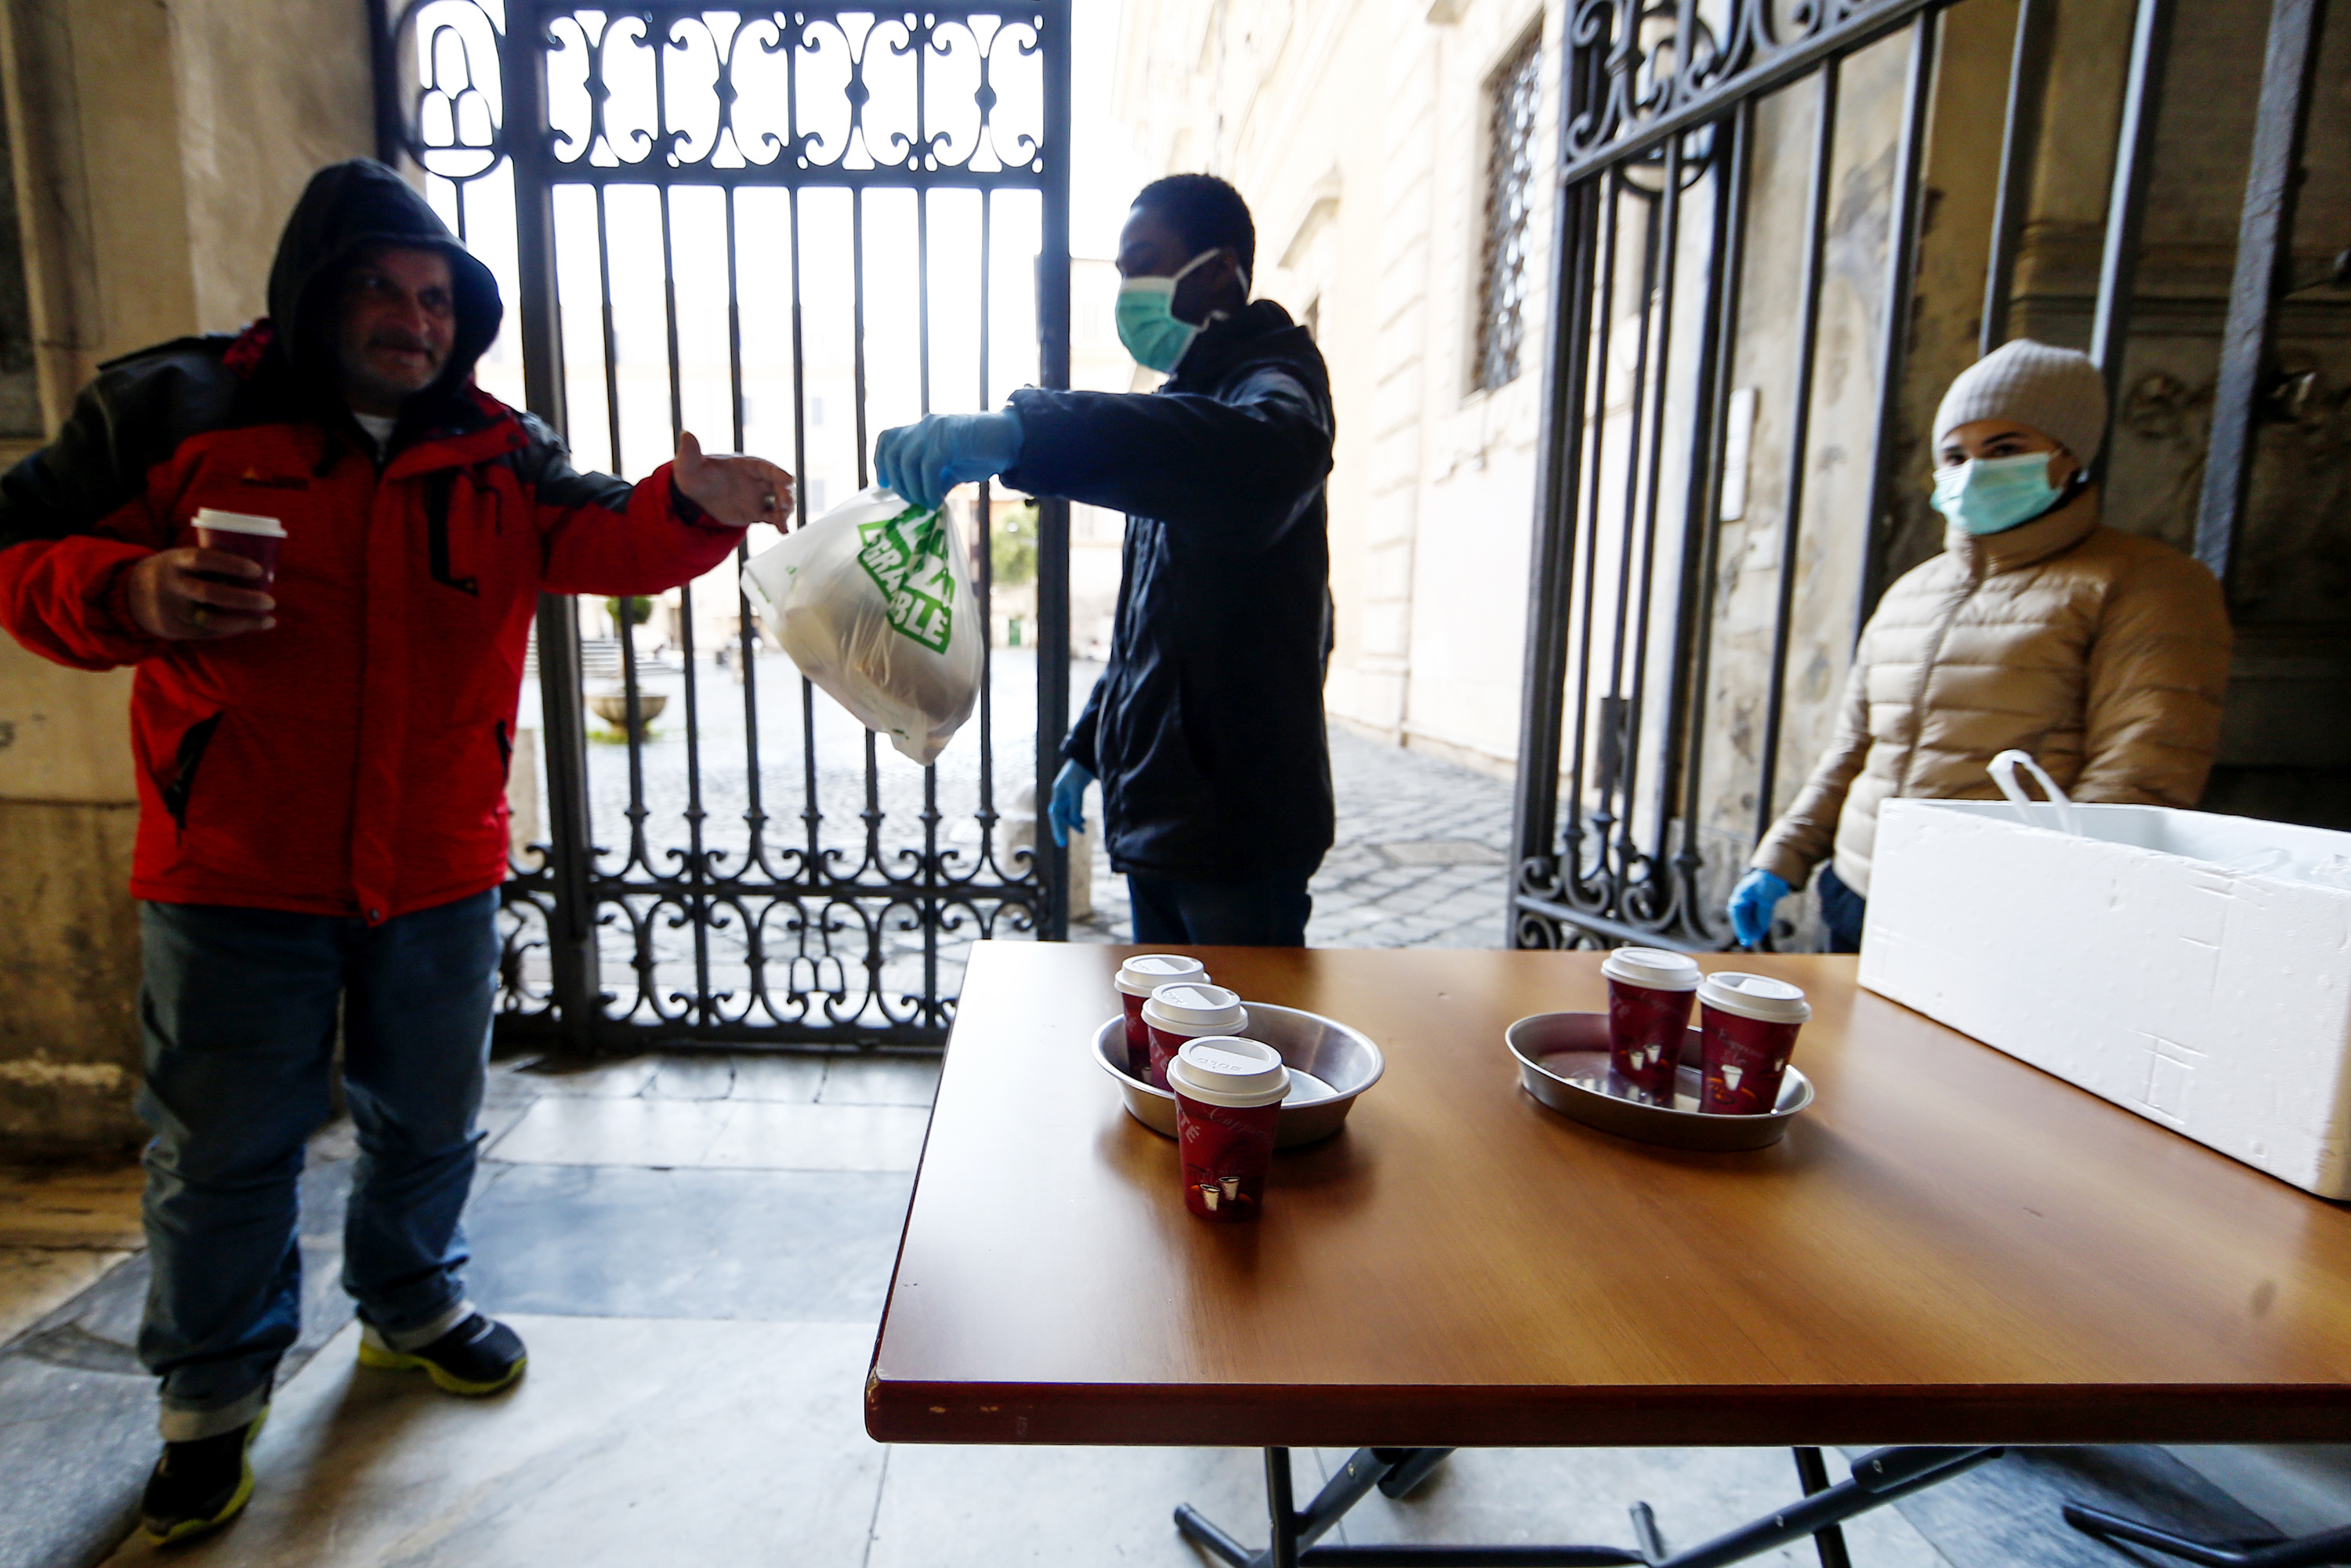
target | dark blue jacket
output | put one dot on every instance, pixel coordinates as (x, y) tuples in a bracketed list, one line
[(1206, 730)]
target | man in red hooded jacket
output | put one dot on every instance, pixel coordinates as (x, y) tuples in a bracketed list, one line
[(322, 762)]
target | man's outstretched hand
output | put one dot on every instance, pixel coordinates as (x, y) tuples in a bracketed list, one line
[(172, 595), (738, 491)]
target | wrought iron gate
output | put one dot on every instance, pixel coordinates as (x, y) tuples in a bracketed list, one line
[(1660, 103), (725, 220)]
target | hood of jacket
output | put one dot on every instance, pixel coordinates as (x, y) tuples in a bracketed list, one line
[(346, 209)]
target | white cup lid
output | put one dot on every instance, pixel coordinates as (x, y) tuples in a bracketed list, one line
[(222, 522), (1755, 996), (1652, 967), (1147, 972), (1196, 1007), (1225, 1070)]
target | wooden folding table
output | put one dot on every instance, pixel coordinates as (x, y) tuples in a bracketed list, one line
[(1949, 1247)]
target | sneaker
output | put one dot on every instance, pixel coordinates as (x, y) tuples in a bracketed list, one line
[(199, 1486), (479, 1356)]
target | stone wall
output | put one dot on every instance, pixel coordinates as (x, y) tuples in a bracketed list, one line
[(154, 151)]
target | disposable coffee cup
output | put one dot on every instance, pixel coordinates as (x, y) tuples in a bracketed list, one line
[(1649, 996), (1187, 1010), (1228, 1093), (1137, 978), (1747, 1024), (257, 539)]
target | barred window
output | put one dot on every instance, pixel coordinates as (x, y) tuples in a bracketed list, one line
[(1512, 101)]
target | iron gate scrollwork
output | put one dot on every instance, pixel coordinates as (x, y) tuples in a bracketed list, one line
[(718, 212)]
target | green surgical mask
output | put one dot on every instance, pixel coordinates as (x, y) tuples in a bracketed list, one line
[(1993, 495), (1147, 324)]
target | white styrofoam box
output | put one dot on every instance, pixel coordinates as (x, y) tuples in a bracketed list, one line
[(2126, 960)]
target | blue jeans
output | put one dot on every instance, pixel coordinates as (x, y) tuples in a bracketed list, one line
[(1264, 912), (1842, 911), (238, 1012)]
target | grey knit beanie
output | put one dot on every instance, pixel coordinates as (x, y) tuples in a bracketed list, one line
[(2057, 392)]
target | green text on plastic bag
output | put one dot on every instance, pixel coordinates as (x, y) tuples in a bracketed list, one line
[(907, 558)]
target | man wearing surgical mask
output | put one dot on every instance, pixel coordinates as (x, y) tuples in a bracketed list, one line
[(1206, 730), (2103, 653)]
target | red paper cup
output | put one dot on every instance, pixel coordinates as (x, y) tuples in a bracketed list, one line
[(257, 539), (1747, 1024), (1137, 978), (1649, 996), (1228, 1094), (1187, 1010)]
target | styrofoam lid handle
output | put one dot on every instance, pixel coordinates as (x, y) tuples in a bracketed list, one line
[(2003, 773)]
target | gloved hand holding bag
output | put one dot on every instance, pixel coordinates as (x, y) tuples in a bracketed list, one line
[(874, 603)]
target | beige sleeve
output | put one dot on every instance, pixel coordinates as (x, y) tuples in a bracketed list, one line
[(1806, 833), (2158, 672)]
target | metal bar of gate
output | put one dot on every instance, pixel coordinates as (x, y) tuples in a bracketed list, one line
[(1053, 516), (1611, 215), (1701, 529), (2263, 275), (571, 912), (1901, 269), (1800, 426), (2019, 150), (2126, 198), (1668, 263), (1567, 337)]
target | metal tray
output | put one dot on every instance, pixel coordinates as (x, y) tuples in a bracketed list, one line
[(1343, 1061), (1563, 1062)]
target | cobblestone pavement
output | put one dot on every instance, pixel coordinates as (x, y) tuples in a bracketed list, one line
[(1419, 860)]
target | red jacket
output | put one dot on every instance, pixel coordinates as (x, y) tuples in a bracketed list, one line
[(351, 760)]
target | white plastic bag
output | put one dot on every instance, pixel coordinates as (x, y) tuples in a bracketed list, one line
[(874, 603)]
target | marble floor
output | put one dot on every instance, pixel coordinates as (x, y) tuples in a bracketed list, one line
[(60, 1231), (696, 1250)]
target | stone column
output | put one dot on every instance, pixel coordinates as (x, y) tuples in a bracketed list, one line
[(153, 153)]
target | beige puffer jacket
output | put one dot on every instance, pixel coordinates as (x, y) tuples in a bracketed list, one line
[(2103, 653)]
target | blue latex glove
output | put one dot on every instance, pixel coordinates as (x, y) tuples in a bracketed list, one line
[(1067, 811), (924, 460), (1759, 893)]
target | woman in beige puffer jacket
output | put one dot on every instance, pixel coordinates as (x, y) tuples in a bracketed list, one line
[(2105, 654)]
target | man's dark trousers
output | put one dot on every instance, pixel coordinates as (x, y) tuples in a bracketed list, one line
[(1265, 912), (238, 1012)]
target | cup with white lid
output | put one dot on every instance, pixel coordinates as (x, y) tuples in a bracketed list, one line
[(257, 539), (1649, 996), (1137, 978), (1228, 1094), (1746, 1026), (1187, 1010)]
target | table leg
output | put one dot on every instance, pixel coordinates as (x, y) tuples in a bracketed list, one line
[(1878, 1479), (1813, 1474), (2307, 1552), (1411, 1466)]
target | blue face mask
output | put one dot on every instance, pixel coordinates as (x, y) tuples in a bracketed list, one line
[(1993, 495), (1146, 319)]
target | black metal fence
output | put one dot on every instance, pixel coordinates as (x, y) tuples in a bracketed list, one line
[(728, 221), (1619, 803)]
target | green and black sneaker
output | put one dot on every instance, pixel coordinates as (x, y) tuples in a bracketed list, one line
[(479, 1356), (199, 1486)]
